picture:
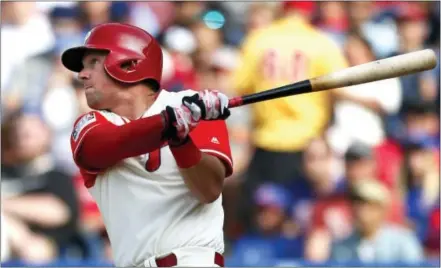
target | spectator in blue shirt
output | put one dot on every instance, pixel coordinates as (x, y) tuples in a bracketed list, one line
[(421, 181), (268, 238)]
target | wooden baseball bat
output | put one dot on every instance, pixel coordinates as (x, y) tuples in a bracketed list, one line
[(400, 65)]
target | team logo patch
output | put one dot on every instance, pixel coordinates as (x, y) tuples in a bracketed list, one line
[(84, 121)]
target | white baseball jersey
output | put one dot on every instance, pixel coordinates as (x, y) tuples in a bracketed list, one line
[(149, 213)]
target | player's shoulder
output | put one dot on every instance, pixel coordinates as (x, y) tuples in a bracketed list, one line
[(174, 99), (186, 92), (83, 121), (113, 117), (92, 119), (98, 116), (180, 94)]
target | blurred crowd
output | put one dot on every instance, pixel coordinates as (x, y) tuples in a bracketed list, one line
[(343, 175)]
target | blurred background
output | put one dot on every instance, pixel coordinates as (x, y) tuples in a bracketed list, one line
[(349, 176)]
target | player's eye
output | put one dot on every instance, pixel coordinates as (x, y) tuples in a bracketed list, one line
[(91, 62), (94, 61)]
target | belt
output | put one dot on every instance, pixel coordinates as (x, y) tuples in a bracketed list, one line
[(171, 260)]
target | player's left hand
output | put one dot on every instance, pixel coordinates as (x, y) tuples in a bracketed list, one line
[(180, 122), (211, 104)]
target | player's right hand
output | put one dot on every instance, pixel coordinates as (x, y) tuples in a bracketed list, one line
[(180, 122), (211, 104)]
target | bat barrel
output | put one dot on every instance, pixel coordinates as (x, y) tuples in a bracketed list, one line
[(396, 66)]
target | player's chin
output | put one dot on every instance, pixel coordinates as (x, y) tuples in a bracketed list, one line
[(94, 103)]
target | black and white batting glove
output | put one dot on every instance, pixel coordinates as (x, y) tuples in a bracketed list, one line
[(180, 122), (211, 104)]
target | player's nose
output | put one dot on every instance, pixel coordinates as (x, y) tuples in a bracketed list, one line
[(84, 74)]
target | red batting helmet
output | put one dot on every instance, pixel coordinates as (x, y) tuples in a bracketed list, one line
[(126, 44)]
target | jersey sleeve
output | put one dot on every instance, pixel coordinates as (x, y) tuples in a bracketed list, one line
[(211, 137), (83, 125)]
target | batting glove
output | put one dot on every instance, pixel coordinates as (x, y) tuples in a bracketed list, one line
[(210, 104), (180, 122)]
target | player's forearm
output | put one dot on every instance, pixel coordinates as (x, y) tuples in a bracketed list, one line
[(104, 146), (205, 179), (204, 175)]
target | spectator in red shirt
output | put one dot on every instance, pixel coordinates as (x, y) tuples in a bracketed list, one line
[(319, 181), (331, 220), (431, 243)]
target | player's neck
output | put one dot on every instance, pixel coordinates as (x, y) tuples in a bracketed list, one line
[(134, 104)]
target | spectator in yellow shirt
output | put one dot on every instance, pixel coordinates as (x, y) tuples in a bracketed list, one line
[(289, 50)]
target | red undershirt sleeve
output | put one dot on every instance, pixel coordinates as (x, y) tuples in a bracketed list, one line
[(98, 144)]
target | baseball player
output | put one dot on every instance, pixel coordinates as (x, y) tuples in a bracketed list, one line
[(153, 160)]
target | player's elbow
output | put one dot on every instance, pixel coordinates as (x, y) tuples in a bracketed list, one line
[(209, 198), (206, 180), (213, 195), (213, 192)]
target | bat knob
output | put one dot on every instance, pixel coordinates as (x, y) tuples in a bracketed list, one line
[(235, 102)]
